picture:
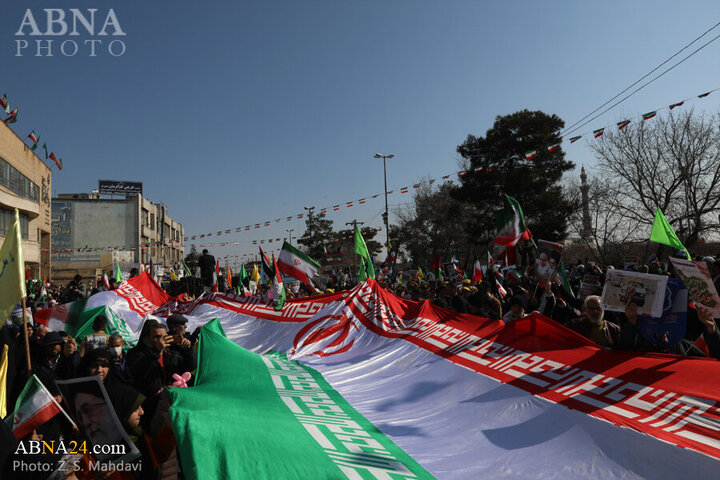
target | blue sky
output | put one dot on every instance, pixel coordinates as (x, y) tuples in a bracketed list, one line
[(235, 112)]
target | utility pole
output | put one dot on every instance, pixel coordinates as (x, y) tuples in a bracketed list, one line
[(354, 223), (385, 215), (290, 237)]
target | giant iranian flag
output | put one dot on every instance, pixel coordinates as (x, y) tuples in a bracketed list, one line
[(362, 384)]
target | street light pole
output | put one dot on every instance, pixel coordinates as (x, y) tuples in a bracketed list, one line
[(385, 215), (290, 235)]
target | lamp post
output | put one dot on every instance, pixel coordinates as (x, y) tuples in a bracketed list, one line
[(290, 235), (385, 215)]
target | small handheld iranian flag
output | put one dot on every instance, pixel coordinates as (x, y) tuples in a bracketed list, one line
[(278, 289), (477, 272), (34, 407), (216, 275), (12, 118), (293, 263), (4, 103), (436, 267), (511, 226), (33, 137)]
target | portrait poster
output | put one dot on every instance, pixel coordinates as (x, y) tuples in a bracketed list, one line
[(548, 259), (94, 414)]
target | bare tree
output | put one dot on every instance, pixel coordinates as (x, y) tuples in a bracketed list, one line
[(672, 163), (435, 222), (611, 234)]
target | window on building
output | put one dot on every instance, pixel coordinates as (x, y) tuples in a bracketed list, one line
[(6, 219), (16, 182), (152, 221)]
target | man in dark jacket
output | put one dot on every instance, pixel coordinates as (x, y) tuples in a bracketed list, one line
[(207, 267), (152, 363), (75, 290)]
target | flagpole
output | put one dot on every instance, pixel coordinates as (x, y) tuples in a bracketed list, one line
[(27, 340)]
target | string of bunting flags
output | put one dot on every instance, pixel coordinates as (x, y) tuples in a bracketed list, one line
[(121, 248), (35, 139), (490, 165), (271, 240)]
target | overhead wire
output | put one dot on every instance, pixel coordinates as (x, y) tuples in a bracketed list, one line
[(573, 127), (644, 85)]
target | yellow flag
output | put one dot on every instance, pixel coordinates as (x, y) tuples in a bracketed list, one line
[(255, 277), (3, 381), (12, 270), (173, 277)]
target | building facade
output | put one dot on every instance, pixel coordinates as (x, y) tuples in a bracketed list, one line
[(25, 184), (92, 234)]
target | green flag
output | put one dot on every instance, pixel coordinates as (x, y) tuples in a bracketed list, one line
[(564, 279), (663, 233), (118, 273), (361, 249), (244, 280), (362, 274), (187, 269)]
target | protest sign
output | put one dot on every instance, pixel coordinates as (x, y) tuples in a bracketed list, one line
[(697, 279), (629, 262), (644, 289), (94, 414), (670, 328), (548, 259), (590, 285)]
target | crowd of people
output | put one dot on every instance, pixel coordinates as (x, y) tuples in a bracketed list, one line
[(135, 378)]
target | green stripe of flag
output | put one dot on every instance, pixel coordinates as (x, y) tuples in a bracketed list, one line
[(269, 417)]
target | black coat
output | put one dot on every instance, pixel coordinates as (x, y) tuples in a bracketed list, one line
[(149, 376), (207, 265)]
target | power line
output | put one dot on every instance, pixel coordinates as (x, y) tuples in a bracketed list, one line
[(644, 85), (572, 127)]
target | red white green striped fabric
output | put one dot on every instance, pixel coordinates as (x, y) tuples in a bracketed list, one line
[(33, 407), (293, 263), (511, 224), (649, 115), (465, 397)]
